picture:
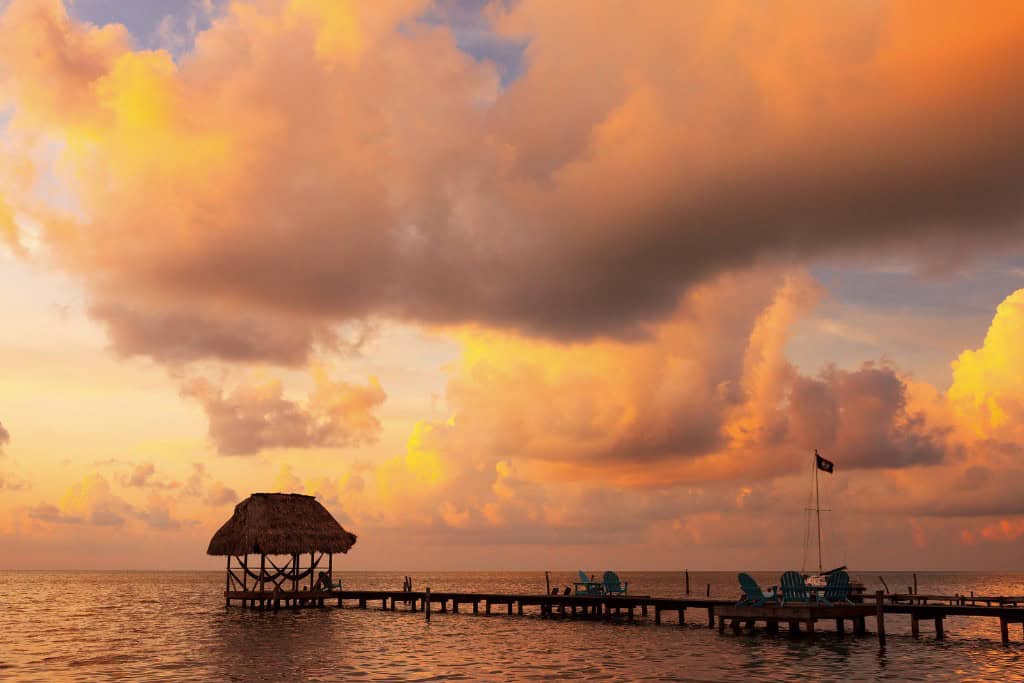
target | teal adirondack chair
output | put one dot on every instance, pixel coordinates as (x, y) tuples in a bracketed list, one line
[(612, 585), (587, 587), (837, 588), (752, 593), (793, 588)]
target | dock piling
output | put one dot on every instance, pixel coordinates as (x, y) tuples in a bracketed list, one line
[(426, 605), (880, 616)]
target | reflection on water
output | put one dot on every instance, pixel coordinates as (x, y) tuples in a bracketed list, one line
[(151, 626)]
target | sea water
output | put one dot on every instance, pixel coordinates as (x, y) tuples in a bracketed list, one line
[(173, 626)]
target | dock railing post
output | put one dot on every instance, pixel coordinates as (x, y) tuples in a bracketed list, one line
[(426, 604), (880, 616)]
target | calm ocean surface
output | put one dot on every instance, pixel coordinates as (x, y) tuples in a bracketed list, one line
[(173, 626)]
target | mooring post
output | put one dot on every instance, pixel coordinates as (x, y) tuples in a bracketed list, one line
[(426, 604), (880, 616)]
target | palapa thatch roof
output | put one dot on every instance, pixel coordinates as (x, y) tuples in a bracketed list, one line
[(280, 524)]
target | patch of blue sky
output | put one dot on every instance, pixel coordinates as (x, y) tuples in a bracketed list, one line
[(919, 321), (171, 25), (474, 35)]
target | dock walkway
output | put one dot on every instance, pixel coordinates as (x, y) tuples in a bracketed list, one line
[(729, 614)]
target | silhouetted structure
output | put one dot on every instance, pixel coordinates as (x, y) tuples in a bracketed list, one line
[(278, 524)]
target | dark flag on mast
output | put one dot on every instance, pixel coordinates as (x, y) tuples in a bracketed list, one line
[(823, 464)]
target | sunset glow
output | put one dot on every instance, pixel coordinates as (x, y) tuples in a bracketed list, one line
[(513, 284)]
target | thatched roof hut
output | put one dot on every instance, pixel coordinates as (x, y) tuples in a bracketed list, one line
[(280, 524)]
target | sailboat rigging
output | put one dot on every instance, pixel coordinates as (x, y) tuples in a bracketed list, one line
[(821, 464)]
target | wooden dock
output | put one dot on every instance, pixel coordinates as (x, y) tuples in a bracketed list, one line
[(797, 617), (580, 606)]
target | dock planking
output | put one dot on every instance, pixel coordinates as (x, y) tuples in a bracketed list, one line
[(580, 606), (932, 608)]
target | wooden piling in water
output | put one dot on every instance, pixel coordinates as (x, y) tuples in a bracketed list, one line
[(426, 605), (880, 616)]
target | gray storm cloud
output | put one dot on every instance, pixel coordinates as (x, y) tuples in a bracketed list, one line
[(279, 180)]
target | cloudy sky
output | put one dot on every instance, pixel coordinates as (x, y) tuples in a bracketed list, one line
[(515, 284)]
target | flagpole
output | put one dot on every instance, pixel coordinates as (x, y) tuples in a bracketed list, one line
[(817, 506)]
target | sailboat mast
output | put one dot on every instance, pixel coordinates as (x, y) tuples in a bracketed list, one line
[(817, 507)]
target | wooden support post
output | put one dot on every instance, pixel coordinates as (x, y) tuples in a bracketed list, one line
[(1004, 630), (547, 583), (682, 616), (362, 603), (707, 593), (510, 607), (330, 568), (263, 572), (426, 604), (643, 610), (476, 606), (711, 617), (721, 624), (939, 635), (794, 627), (657, 614), (915, 628), (810, 626), (227, 584), (859, 627), (455, 606), (915, 583), (880, 616), (772, 626), (487, 606), (840, 626), (686, 572)]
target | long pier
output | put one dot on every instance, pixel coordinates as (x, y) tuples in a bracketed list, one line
[(934, 608), (593, 606)]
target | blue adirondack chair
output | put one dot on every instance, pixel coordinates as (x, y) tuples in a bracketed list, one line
[(793, 588), (612, 585), (587, 587), (837, 588), (752, 593)]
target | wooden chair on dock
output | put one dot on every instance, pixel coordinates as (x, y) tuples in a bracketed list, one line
[(837, 589), (752, 593), (794, 588), (587, 587), (612, 585)]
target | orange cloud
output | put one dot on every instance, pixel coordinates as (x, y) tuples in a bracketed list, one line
[(253, 417), (313, 162)]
